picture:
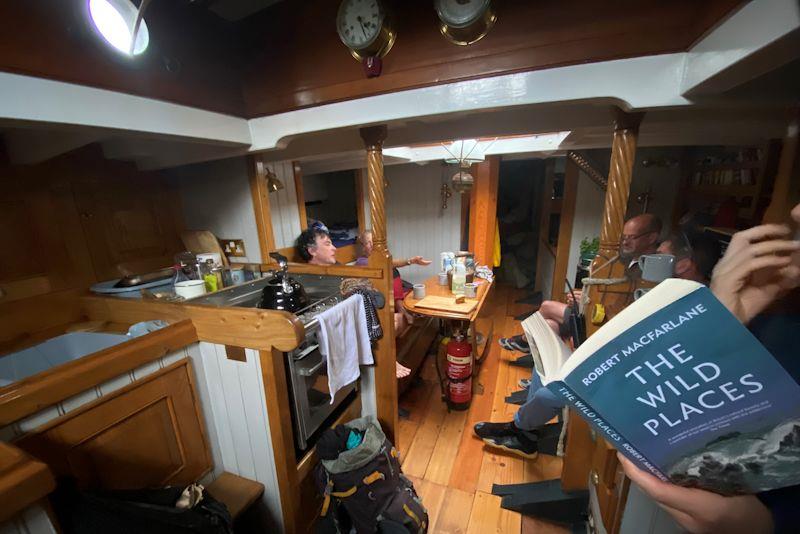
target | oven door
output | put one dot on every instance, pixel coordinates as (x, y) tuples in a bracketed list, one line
[(312, 399)]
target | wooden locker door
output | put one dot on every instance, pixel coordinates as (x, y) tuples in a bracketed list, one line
[(128, 223)]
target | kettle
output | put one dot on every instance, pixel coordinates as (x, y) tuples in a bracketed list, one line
[(283, 292)]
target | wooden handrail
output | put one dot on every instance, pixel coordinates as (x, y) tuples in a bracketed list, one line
[(23, 481), (28, 396), (348, 271)]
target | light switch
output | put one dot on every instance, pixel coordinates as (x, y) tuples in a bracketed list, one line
[(234, 247)]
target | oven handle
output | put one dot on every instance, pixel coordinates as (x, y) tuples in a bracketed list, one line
[(313, 370), (306, 352)]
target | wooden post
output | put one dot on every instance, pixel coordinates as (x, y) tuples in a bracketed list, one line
[(786, 192), (260, 195), (587, 455), (483, 209), (385, 354)]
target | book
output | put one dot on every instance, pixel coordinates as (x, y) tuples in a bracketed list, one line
[(678, 385)]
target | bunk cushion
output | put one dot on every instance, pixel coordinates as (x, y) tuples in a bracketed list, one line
[(236, 492)]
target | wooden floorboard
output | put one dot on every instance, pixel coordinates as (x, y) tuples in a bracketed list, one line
[(452, 470)]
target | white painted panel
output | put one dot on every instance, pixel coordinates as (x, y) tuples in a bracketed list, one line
[(39, 418), (206, 407), (146, 369), (37, 521), (236, 413), (283, 206), (115, 383), (216, 196), (218, 406), (416, 222), (84, 397), (365, 191), (588, 216)]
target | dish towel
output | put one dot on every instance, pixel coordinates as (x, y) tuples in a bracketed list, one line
[(344, 341)]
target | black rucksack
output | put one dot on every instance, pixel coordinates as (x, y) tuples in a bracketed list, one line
[(365, 488)]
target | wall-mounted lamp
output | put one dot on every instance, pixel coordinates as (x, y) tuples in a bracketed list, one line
[(273, 184)]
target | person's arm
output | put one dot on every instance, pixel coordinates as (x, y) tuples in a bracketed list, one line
[(415, 260), (700, 511)]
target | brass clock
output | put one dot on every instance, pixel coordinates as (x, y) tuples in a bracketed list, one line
[(464, 22), (365, 27)]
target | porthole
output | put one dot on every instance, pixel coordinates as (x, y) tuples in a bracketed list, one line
[(115, 20)]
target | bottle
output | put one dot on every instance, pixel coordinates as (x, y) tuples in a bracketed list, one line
[(179, 275), (459, 279), (208, 276)]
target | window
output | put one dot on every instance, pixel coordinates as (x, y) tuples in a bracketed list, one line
[(115, 20)]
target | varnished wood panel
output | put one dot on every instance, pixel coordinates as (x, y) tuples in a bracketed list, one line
[(563, 251), (483, 209), (47, 388), (299, 41), (192, 58), (23, 481), (148, 434)]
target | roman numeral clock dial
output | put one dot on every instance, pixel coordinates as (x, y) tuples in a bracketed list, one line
[(365, 28)]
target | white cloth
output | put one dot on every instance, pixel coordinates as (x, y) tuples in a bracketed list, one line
[(344, 341)]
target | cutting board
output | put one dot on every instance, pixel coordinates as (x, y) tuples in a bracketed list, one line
[(199, 241), (446, 304)]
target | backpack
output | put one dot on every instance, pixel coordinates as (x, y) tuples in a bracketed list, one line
[(365, 488)]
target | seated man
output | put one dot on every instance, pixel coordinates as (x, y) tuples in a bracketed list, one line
[(315, 246), (639, 236), (695, 260)]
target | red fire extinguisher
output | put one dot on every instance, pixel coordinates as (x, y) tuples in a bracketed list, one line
[(459, 373)]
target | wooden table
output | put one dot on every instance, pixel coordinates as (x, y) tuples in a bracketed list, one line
[(432, 287)]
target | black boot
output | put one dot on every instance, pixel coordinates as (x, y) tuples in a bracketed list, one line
[(508, 437)]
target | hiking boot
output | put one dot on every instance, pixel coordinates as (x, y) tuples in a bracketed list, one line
[(519, 444), (516, 343)]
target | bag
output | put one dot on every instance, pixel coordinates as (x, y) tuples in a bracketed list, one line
[(136, 511), (365, 488)]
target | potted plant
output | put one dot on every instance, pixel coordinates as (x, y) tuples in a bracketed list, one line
[(589, 250)]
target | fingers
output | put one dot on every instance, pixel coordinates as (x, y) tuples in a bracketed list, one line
[(796, 214), (759, 233)]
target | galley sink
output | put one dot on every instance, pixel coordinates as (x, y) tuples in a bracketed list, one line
[(53, 352)]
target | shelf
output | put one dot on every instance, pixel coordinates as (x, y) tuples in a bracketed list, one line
[(728, 166), (725, 190)]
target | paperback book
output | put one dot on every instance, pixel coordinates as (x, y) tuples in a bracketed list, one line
[(678, 385)]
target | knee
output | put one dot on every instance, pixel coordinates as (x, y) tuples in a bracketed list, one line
[(554, 325), (552, 310)]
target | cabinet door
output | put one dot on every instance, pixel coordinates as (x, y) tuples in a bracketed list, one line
[(128, 222), (41, 245)]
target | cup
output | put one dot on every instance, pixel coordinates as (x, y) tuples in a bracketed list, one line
[(471, 290), (442, 279), (190, 289), (639, 293), (419, 291), (656, 267)]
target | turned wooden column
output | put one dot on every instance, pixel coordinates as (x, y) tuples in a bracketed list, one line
[(589, 456), (385, 352), (786, 191)]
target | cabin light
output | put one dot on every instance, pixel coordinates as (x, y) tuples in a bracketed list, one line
[(273, 184), (116, 20), (462, 181)]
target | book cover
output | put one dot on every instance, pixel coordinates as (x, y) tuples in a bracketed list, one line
[(689, 394)]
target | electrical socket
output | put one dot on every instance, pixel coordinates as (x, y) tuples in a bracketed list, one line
[(233, 247)]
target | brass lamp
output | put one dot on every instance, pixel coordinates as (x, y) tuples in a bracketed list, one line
[(273, 184)]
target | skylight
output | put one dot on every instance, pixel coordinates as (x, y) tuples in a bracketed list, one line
[(474, 150), (115, 20)]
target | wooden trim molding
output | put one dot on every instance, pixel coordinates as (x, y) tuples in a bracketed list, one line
[(565, 231), (26, 397), (360, 212), (483, 209), (786, 191), (23, 481), (297, 170), (260, 195), (241, 327)]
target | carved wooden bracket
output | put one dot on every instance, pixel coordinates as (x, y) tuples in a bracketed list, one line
[(596, 176)]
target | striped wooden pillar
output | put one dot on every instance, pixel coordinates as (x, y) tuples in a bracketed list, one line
[(385, 353)]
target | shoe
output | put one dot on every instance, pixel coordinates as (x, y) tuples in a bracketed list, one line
[(524, 383), (523, 361), (516, 343), (486, 430), (518, 445)]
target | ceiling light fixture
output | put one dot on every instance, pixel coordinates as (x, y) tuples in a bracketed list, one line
[(120, 23)]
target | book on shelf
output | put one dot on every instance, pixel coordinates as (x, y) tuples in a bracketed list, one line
[(678, 385)]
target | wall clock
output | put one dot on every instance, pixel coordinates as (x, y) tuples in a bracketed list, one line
[(464, 22), (365, 28)]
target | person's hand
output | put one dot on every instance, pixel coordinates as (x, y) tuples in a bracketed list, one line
[(578, 293), (700, 511), (759, 266), (419, 260)]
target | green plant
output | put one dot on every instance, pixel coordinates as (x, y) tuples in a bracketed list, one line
[(590, 248)]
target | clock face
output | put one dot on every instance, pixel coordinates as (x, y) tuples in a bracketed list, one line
[(359, 22), (460, 13)]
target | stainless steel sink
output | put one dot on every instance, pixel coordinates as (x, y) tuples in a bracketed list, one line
[(248, 295)]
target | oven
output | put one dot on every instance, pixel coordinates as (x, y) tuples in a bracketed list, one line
[(311, 399)]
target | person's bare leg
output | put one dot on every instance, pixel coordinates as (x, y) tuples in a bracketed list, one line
[(553, 313), (400, 324)]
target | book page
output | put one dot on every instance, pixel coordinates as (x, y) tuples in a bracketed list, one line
[(548, 350), (659, 297)]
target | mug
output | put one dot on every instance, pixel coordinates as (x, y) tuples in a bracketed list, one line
[(470, 290), (442, 279), (656, 267), (419, 291), (189, 289), (639, 293)]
